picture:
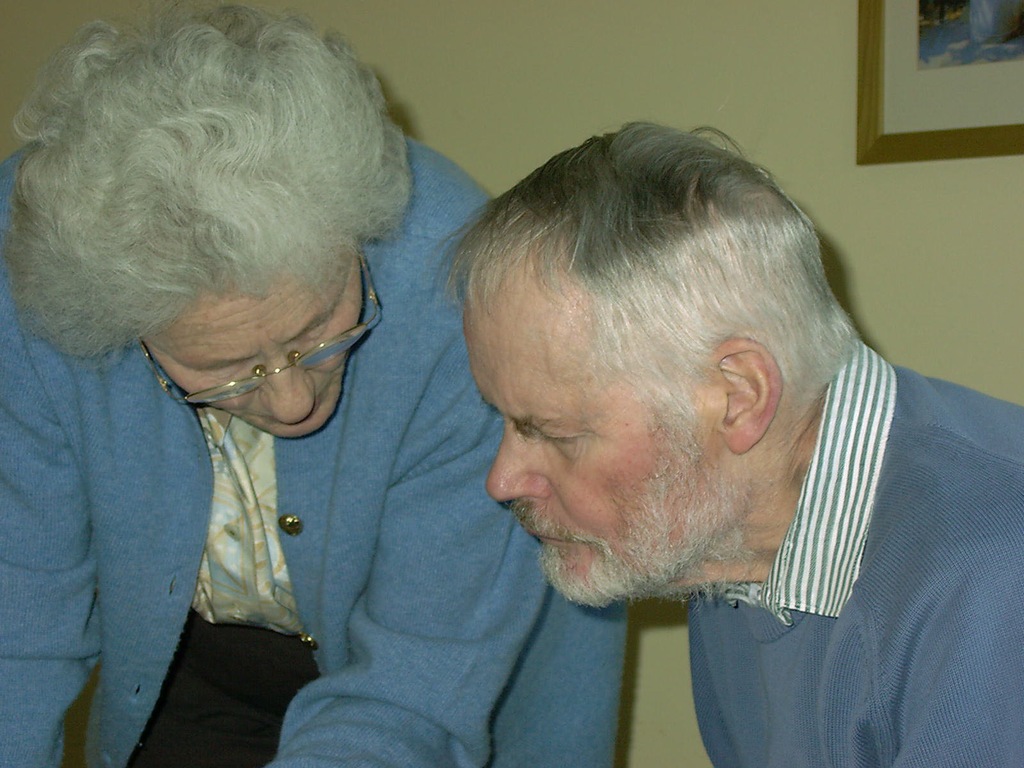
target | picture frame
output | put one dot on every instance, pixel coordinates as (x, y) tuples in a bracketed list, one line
[(931, 138)]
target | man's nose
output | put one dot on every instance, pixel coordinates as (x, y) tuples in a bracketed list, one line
[(515, 473)]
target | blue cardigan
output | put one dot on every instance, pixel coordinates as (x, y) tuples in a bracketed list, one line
[(924, 666), (439, 643)]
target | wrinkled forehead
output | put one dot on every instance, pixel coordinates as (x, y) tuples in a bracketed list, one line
[(527, 323), (528, 290), (284, 314)]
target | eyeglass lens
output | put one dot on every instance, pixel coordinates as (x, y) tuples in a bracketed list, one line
[(328, 355)]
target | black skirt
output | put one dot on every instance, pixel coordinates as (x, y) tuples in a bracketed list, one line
[(224, 698)]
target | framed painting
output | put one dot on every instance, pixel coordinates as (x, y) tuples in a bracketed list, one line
[(939, 79)]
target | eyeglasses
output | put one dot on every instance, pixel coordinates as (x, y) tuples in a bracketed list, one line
[(328, 355)]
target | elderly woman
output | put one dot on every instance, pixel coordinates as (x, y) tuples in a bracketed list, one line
[(243, 457)]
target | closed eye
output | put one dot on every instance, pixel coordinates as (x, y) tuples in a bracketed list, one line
[(528, 429)]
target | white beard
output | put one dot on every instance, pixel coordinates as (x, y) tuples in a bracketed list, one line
[(676, 523)]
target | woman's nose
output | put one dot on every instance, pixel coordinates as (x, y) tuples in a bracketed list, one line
[(290, 395)]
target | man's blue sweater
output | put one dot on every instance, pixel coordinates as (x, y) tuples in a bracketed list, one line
[(924, 666)]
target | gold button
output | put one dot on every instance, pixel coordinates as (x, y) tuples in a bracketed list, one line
[(309, 641), (290, 524)]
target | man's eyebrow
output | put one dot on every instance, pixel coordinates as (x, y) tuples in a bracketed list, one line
[(533, 427), (527, 426)]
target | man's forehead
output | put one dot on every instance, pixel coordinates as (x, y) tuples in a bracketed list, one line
[(554, 306), (532, 341)]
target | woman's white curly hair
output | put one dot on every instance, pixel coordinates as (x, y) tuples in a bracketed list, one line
[(211, 150)]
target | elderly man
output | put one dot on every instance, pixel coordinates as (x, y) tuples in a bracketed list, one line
[(689, 413)]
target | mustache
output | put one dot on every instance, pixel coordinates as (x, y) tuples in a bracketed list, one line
[(526, 513), (530, 518)]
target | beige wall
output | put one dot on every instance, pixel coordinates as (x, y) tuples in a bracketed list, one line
[(926, 254)]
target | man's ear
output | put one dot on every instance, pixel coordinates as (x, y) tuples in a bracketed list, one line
[(750, 387)]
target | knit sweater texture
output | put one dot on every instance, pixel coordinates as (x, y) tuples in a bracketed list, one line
[(924, 666), (439, 643)]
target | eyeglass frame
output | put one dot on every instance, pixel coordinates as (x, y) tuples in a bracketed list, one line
[(244, 386)]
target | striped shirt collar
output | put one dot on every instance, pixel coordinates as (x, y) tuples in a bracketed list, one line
[(819, 559)]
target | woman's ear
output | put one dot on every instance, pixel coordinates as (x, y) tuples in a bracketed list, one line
[(750, 387)]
